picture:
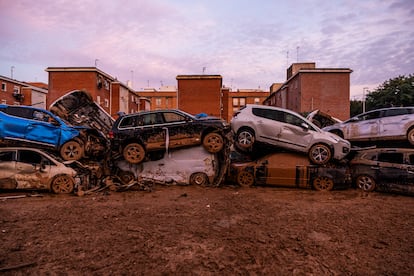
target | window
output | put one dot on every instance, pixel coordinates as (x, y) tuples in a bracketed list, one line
[(6, 156), (106, 103), (152, 119), (256, 100), (239, 101), (158, 101), (4, 101), (16, 90), (411, 159), (396, 112), (391, 157), (3, 86), (30, 157), (98, 99), (171, 117)]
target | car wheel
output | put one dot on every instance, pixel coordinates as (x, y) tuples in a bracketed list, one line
[(213, 142), (320, 154), (365, 183), (199, 179), (323, 183), (126, 177), (62, 184), (134, 153), (410, 136), (245, 179), (245, 139), (72, 150)]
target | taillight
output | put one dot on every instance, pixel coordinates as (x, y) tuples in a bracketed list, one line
[(111, 135)]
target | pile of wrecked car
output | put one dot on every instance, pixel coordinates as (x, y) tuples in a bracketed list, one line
[(77, 147)]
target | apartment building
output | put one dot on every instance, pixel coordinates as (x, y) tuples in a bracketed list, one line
[(308, 88), (106, 90), (15, 92), (163, 98)]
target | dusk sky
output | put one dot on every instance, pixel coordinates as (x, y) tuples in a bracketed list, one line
[(249, 43)]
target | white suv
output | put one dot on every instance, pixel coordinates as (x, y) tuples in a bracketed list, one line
[(286, 129), (394, 123)]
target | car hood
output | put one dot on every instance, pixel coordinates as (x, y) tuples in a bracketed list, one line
[(322, 119), (78, 108)]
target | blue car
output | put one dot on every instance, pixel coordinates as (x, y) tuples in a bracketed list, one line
[(35, 126)]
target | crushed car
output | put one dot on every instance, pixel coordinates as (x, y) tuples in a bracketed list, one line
[(322, 119), (288, 169), (384, 169), (26, 125), (288, 130), (137, 136), (189, 166), (34, 169), (385, 124)]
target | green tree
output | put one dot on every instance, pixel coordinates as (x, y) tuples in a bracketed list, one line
[(398, 91)]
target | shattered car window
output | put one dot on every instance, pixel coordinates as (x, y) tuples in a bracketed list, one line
[(6, 156)]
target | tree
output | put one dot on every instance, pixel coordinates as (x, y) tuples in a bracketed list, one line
[(356, 108), (394, 92)]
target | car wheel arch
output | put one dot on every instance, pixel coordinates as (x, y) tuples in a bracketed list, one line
[(410, 135)]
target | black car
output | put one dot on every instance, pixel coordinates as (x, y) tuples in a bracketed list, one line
[(135, 135), (384, 169)]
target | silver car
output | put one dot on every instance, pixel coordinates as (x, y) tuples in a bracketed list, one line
[(29, 168), (286, 129), (395, 123)]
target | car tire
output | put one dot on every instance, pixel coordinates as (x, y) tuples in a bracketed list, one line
[(365, 183), (245, 139), (410, 136), (213, 142), (72, 150), (134, 153), (199, 178), (320, 154), (323, 183), (126, 177), (245, 179), (62, 184)]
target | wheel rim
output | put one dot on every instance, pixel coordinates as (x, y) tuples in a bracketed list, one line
[(365, 183), (198, 179), (245, 179), (213, 142), (320, 154), (62, 184), (323, 184), (245, 139), (134, 153), (411, 137), (71, 151)]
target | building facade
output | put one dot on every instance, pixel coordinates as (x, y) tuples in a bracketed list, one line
[(308, 88), (15, 92), (164, 98), (107, 91)]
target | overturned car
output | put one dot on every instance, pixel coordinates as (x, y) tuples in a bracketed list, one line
[(286, 169)]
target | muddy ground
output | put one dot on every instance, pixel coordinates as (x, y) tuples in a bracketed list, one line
[(208, 231)]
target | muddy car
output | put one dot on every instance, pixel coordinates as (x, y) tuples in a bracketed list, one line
[(26, 125), (384, 169), (33, 169), (386, 124), (135, 135), (288, 130), (289, 170), (194, 166)]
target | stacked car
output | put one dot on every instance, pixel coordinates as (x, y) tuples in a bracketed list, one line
[(77, 146)]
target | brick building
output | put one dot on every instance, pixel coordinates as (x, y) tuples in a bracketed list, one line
[(200, 94), (233, 100), (164, 98), (111, 94), (308, 88), (15, 92)]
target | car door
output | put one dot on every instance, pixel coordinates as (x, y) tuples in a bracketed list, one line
[(363, 126), (392, 171), (268, 127), (392, 122), (182, 131), (7, 169), (32, 170), (151, 130), (295, 133), (43, 129)]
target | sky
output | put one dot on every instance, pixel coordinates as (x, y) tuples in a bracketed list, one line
[(249, 43)]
